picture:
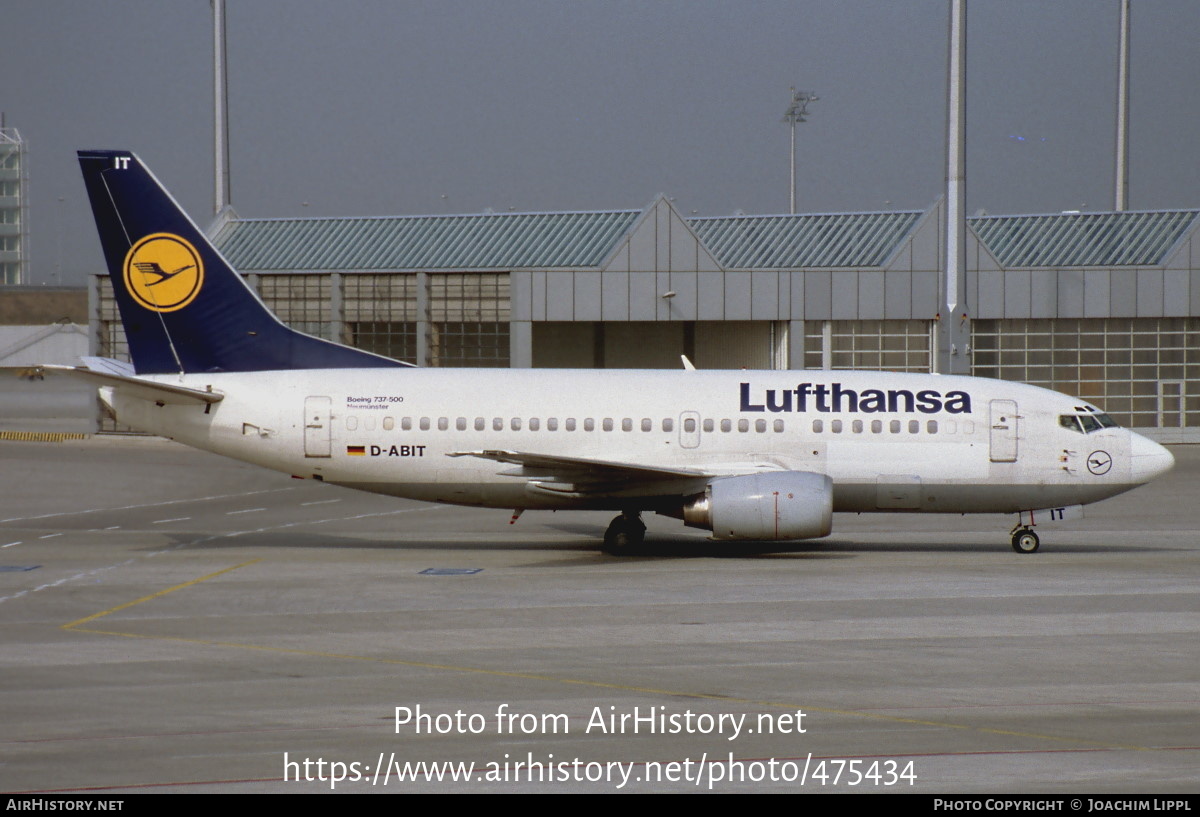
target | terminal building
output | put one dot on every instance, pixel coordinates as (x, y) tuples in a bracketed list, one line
[(1105, 306)]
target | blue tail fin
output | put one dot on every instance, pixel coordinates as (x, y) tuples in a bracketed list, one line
[(184, 308)]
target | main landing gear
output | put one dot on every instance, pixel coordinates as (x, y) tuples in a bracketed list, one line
[(1024, 540), (625, 534)]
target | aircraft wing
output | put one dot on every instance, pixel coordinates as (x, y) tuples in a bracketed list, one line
[(579, 469), (136, 386), (581, 478)]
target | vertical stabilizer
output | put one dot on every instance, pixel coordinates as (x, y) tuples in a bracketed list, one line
[(183, 307)]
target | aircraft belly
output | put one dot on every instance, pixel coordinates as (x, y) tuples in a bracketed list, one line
[(983, 497), (874, 461), (508, 496)]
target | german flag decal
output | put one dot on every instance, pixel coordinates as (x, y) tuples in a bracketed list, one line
[(356, 450)]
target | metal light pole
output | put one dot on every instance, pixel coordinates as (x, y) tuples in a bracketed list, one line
[(1122, 191), (953, 326), (795, 113), (220, 111)]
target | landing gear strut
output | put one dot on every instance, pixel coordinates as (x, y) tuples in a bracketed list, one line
[(1024, 540), (625, 534)]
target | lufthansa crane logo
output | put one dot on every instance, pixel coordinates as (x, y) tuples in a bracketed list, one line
[(1099, 462), (163, 272)]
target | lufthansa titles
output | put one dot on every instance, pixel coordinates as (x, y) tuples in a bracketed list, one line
[(833, 397)]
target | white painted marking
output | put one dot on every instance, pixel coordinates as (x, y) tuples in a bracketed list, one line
[(204, 539), (247, 510), (113, 527), (165, 521), (321, 502), (50, 535), (10, 544), (147, 505)]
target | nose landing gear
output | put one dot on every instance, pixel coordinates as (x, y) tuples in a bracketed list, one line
[(1024, 540)]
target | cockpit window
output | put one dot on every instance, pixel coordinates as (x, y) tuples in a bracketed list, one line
[(1086, 423)]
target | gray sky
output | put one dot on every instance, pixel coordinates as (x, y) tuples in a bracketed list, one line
[(380, 107)]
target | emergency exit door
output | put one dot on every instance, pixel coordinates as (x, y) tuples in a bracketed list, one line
[(316, 426)]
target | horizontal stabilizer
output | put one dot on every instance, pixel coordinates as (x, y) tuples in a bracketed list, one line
[(136, 386)]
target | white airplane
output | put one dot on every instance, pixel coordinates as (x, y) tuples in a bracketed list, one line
[(748, 455)]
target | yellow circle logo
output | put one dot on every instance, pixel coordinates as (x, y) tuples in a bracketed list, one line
[(163, 272)]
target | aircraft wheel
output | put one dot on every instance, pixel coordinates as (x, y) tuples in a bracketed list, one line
[(1025, 541), (624, 536)]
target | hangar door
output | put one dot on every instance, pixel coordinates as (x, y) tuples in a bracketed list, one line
[(654, 345)]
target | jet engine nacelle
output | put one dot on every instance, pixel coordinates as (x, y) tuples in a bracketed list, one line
[(767, 506)]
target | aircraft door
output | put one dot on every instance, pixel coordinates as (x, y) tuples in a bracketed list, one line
[(689, 429), (1003, 435), (317, 421)]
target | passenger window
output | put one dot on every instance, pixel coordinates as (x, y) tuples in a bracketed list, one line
[(689, 425), (743, 426), (708, 426), (931, 426), (626, 424), (589, 424), (876, 426), (534, 423), (760, 426), (836, 426), (406, 423), (461, 424), (818, 426), (951, 427), (424, 423), (515, 423), (351, 422), (369, 422), (608, 424), (726, 425), (668, 424), (443, 423), (895, 426), (647, 424), (389, 423), (480, 424), (778, 424), (497, 424), (856, 426), (570, 424), (552, 424), (914, 426)]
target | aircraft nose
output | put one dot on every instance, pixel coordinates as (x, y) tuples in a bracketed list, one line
[(1148, 459)]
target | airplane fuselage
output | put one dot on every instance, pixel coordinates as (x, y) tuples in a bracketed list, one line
[(889, 442)]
